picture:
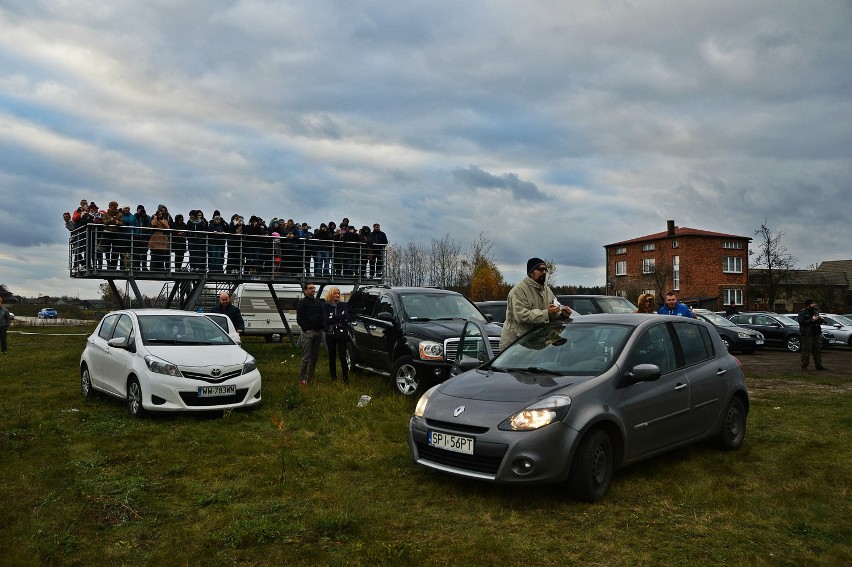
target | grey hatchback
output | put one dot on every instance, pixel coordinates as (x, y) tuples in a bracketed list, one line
[(575, 400)]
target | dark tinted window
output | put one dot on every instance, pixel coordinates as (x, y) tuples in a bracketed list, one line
[(654, 346), (385, 305), (107, 326), (362, 304), (695, 341)]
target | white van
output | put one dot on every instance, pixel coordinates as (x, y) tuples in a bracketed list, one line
[(259, 313)]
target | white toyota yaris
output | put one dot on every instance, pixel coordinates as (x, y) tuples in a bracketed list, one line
[(167, 360)]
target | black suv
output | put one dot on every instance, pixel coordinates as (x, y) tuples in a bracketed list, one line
[(410, 333), (778, 330)]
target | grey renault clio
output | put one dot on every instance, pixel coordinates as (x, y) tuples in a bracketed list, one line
[(572, 401)]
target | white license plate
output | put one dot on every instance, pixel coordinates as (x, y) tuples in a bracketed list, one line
[(449, 442), (214, 391), (758, 342)]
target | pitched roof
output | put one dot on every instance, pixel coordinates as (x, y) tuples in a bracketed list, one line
[(680, 231)]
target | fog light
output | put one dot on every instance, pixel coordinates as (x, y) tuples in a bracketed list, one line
[(157, 400), (522, 466)]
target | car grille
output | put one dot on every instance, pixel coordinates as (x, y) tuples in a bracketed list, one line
[(451, 347), (192, 399), (212, 379), (474, 429), (480, 462)]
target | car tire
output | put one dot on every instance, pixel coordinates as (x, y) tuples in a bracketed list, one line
[(793, 343), (733, 431), (405, 377), (727, 342), (274, 338), (134, 397), (591, 471), (86, 382)]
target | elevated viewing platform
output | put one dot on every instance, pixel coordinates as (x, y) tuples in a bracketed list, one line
[(189, 263)]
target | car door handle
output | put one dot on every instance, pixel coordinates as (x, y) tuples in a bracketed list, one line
[(721, 372), (371, 327), (680, 386)]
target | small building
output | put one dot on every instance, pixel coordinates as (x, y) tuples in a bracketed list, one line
[(706, 269)]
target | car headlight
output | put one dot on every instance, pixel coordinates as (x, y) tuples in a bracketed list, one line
[(744, 335), (249, 365), (430, 350), (162, 367), (539, 414), (420, 408)]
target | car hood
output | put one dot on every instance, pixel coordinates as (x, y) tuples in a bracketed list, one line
[(443, 329), (186, 356), (750, 332), (487, 385)]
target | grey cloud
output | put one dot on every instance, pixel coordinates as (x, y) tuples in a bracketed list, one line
[(474, 177)]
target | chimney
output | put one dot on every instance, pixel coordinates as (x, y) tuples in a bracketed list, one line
[(671, 227)]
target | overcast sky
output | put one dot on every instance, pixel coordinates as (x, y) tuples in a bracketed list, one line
[(550, 127)]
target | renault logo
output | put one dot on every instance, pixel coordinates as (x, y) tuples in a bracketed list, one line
[(216, 372), (458, 411)]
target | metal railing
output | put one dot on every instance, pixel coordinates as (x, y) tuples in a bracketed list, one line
[(97, 251)]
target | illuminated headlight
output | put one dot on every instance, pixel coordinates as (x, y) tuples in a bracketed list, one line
[(538, 415), (162, 367), (249, 365), (420, 408), (430, 350)]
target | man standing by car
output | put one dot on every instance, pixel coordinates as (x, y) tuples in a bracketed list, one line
[(225, 307), (675, 307), (309, 318), (5, 321), (811, 331), (531, 303)]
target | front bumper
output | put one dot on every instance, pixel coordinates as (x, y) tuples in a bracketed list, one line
[(168, 393)]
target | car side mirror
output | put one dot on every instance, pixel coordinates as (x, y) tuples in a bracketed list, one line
[(489, 317), (118, 342), (466, 363), (643, 373), (385, 316)]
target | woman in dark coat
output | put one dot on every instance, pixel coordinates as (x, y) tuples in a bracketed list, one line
[(334, 313)]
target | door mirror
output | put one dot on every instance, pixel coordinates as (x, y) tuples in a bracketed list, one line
[(643, 373)]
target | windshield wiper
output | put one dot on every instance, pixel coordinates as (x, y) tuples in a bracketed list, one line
[(530, 370)]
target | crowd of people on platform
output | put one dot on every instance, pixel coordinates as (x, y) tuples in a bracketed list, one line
[(160, 242)]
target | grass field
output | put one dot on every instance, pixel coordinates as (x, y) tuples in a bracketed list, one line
[(309, 478)]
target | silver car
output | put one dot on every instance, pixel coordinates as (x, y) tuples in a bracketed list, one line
[(573, 401), (168, 360)]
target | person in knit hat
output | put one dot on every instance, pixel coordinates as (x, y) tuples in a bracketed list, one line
[(531, 303)]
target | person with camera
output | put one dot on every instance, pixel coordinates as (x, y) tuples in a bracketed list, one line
[(334, 314), (810, 328)]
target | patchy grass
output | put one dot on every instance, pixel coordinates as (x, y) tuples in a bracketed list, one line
[(310, 478)]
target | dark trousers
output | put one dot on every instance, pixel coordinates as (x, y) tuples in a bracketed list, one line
[(812, 345), (336, 350), (3, 338)]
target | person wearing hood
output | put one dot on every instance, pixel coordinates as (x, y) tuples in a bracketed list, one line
[(647, 303), (531, 303)]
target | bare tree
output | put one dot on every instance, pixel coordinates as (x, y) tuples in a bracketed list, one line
[(776, 262), (444, 262)]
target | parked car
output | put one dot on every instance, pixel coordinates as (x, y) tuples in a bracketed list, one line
[(734, 337), (588, 304), (575, 400), (48, 313), (497, 310), (777, 330), (167, 360), (840, 326), (829, 338), (409, 333)]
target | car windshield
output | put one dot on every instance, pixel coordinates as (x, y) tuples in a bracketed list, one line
[(570, 349), (181, 329), (843, 320), (715, 319), (439, 306), (616, 305)]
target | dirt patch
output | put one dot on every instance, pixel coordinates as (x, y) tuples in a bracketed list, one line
[(776, 369)]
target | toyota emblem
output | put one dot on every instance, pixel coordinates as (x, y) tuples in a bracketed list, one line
[(458, 411), (216, 372)]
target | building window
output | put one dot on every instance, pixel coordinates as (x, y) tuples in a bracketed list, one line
[(734, 296), (675, 244), (649, 247), (621, 268), (621, 250), (676, 273), (732, 265), (648, 265), (732, 245)]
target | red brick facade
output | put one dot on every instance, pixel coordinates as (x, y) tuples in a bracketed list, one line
[(702, 256)]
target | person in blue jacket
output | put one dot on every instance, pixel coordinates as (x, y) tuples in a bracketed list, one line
[(675, 307)]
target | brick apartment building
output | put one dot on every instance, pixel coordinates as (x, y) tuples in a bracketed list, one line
[(706, 269)]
